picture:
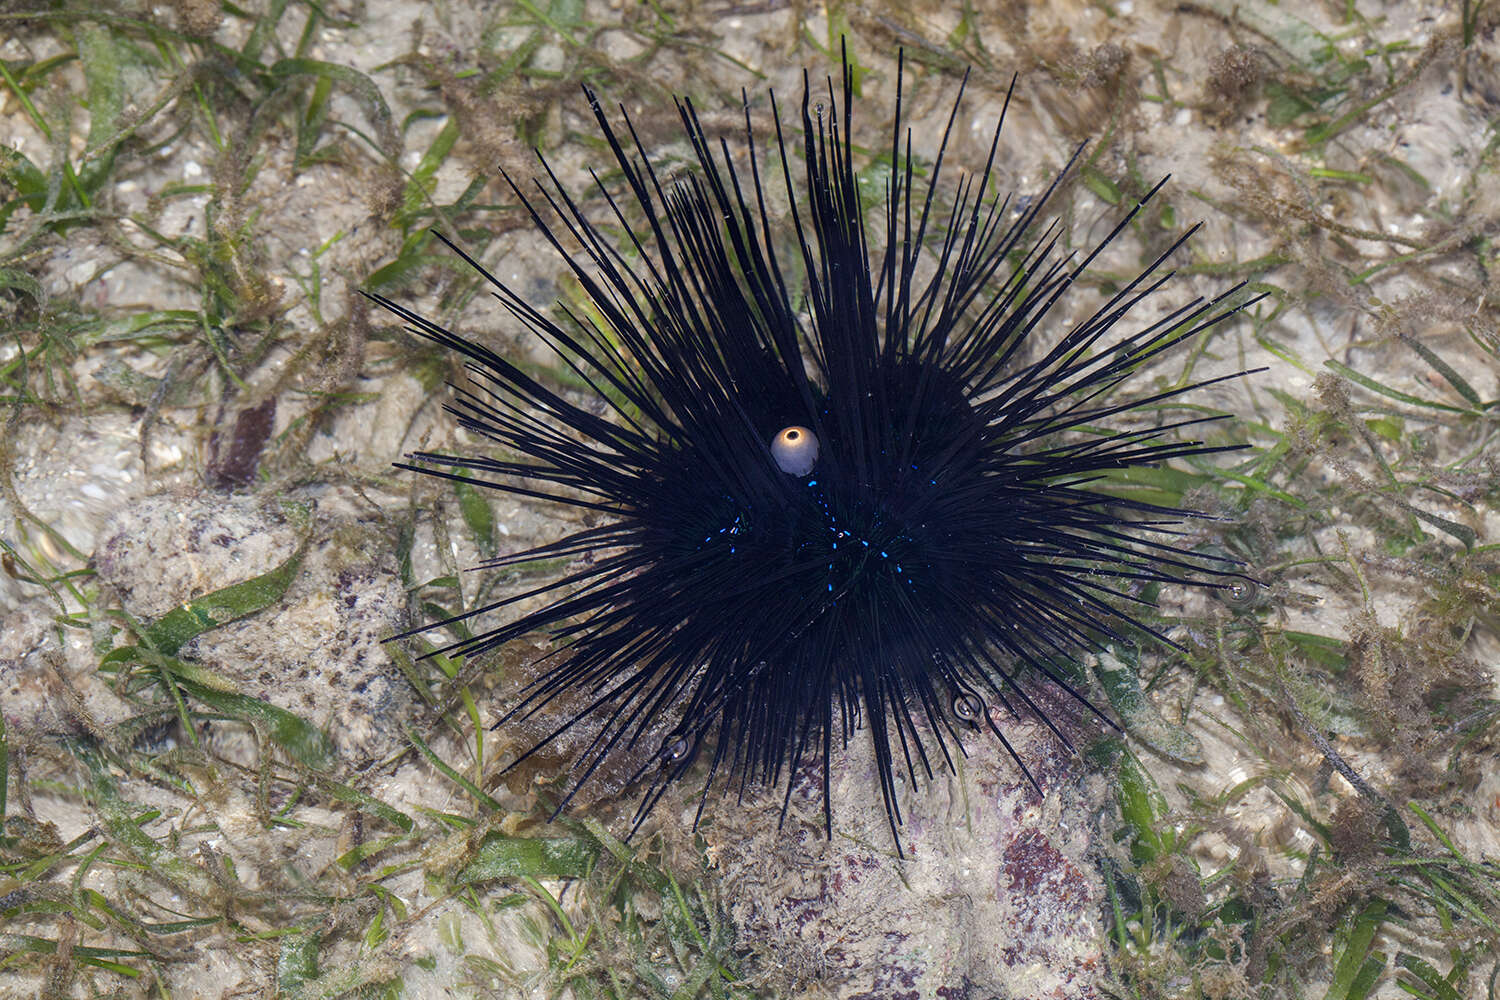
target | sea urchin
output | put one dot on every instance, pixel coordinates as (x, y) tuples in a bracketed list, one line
[(862, 500)]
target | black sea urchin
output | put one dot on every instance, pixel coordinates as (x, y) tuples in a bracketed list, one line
[(862, 500)]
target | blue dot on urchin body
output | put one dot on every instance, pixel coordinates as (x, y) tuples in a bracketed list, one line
[(872, 499)]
